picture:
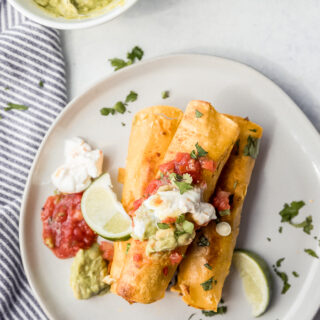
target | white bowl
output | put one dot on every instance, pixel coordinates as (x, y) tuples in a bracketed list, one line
[(34, 12)]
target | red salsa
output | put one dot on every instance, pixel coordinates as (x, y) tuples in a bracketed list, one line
[(182, 163), (64, 229), (221, 200)]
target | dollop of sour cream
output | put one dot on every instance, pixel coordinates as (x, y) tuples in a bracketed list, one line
[(81, 165), (223, 229), (170, 204)]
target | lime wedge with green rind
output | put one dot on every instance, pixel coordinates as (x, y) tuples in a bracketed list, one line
[(256, 279), (103, 212)]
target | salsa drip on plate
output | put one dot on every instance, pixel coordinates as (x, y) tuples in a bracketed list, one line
[(64, 229)]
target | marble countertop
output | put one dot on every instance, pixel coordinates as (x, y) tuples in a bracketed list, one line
[(281, 39)]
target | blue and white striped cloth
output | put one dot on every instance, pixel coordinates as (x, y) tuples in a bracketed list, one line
[(30, 55)]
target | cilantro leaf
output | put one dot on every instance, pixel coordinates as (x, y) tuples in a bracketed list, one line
[(165, 94), (183, 186), (306, 224), (253, 130), (41, 83), (207, 265), (201, 151), (203, 241), (128, 247), (252, 147), (163, 226), (284, 277), (289, 212), (123, 124), (15, 106), (105, 111), (207, 285), (181, 218), (136, 53), (198, 114), (131, 97), (211, 313), (183, 183), (278, 263), (311, 253), (295, 274), (193, 154), (120, 107), (117, 63), (269, 239)]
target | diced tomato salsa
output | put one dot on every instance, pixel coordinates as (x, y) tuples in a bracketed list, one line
[(175, 257), (221, 200), (107, 250), (183, 163), (64, 229)]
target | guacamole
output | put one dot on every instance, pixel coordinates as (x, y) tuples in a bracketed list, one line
[(87, 271), (75, 9)]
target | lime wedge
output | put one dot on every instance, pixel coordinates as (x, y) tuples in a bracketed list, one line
[(256, 279), (103, 212)]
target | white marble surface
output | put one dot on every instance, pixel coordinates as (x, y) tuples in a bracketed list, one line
[(281, 39)]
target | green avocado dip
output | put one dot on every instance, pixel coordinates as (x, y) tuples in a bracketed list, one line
[(75, 9), (87, 271)]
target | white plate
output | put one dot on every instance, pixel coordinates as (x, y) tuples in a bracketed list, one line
[(288, 168)]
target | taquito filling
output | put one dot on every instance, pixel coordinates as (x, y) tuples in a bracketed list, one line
[(173, 208)]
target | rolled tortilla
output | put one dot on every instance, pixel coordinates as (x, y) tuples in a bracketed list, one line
[(145, 281), (151, 133), (235, 179)]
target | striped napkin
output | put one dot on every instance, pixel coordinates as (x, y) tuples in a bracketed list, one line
[(32, 82)]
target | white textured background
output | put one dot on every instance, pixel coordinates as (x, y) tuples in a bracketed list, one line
[(281, 39)]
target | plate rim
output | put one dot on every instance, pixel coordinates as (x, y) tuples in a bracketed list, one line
[(298, 113)]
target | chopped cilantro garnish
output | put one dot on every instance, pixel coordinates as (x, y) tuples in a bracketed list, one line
[(183, 186), (165, 94), (252, 147), (6, 88), (201, 151), (207, 265), (278, 263), (1, 117), (295, 274), (289, 212), (280, 230), (283, 276), (224, 212), (253, 130), (193, 154), (163, 225), (131, 97), (207, 285), (311, 253), (183, 183), (220, 310), (198, 114), (117, 63), (203, 241), (120, 107), (15, 106), (106, 111), (136, 53), (269, 239), (128, 247), (181, 218), (191, 316), (41, 82), (306, 224), (123, 124)]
